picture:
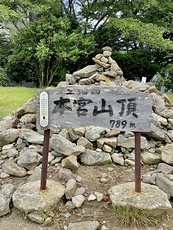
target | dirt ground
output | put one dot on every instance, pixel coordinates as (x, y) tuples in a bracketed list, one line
[(90, 210)]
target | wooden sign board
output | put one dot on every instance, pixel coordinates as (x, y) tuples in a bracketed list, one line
[(109, 107)]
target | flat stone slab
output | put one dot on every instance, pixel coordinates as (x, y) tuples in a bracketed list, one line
[(84, 225), (28, 198), (151, 197)]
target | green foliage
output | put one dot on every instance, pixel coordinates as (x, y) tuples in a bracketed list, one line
[(160, 82), (7, 14), (5, 49), (129, 216), (137, 63), (43, 216), (45, 41), (168, 81), (4, 79), (49, 44), (49, 35), (145, 33)]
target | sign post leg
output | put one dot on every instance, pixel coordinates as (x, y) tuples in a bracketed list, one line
[(45, 159), (137, 162)]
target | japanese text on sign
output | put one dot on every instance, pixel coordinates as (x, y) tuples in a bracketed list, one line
[(114, 108)]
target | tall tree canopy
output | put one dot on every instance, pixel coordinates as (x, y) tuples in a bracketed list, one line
[(52, 37)]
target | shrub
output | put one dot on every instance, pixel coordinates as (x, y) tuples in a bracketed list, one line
[(4, 79)]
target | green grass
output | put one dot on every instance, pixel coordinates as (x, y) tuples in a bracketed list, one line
[(170, 97), (133, 217), (12, 98)]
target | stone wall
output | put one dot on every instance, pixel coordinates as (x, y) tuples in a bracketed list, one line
[(21, 144), (18, 133)]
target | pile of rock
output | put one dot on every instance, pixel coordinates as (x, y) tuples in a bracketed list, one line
[(162, 177), (105, 71), (21, 144)]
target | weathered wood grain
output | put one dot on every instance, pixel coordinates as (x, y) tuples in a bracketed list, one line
[(116, 108)]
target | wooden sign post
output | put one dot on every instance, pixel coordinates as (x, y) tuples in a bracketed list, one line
[(137, 162), (114, 108)]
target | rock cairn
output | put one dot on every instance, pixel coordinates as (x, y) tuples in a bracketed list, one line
[(21, 144), (105, 71)]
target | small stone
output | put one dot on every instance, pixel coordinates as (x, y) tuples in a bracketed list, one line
[(92, 197), (104, 175), (13, 169), (36, 218), (47, 221), (70, 163), (105, 198), (4, 175), (1, 162), (70, 188), (78, 200), (56, 160), (83, 211), (80, 191), (129, 162), (67, 215), (12, 153), (29, 159), (107, 48), (98, 56), (84, 225), (69, 204), (78, 179), (107, 53), (117, 159), (99, 196), (110, 169), (7, 190), (50, 158), (104, 228), (103, 180), (107, 148), (65, 174), (6, 148), (103, 59)]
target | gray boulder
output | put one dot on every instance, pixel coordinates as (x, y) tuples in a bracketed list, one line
[(129, 142), (84, 225), (167, 153), (31, 136), (13, 169), (65, 147), (29, 159), (164, 184), (6, 124), (150, 198), (150, 158), (91, 157), (8, 136), (28, 198), (87, 71), (6, 193)]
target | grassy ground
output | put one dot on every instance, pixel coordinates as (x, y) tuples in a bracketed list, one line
[(12, 98), (170, 96)]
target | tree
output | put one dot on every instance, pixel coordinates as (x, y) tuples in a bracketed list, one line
[(48, 44), (51, 40), (145, 26), (62, 34)]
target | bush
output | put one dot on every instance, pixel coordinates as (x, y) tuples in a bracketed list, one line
[(4, 79)]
